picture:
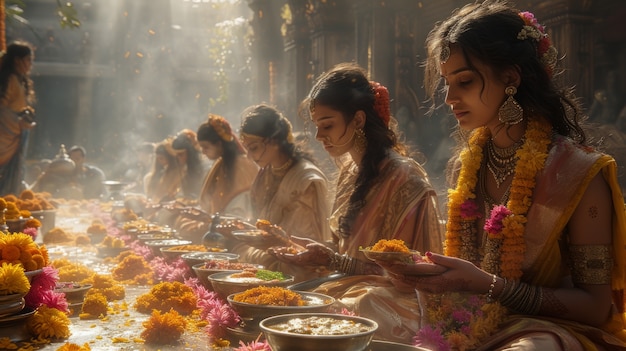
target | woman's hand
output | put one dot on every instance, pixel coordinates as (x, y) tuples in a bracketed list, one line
[(450, 274), (310, 253)]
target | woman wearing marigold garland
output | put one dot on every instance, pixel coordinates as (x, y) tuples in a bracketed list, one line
[(536, 222), (381, 194), (226, 188)]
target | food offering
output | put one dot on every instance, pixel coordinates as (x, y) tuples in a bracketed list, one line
[(267, 234), (227, 283), (206, 269), (264, 301), (396, 251), (111, 246), (391, 250), (175, 252), (318, 331)]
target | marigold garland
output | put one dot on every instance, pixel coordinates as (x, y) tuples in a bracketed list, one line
[(461, 231)]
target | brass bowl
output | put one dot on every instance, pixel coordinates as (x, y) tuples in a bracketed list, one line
[(357, 340), (203, 273), (313, 302), (194, 258), (224, 285), (156, 245)]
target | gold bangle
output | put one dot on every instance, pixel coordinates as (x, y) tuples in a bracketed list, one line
[(491, 287)]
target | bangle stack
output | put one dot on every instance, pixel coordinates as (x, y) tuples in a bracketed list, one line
[(343, 263), (521, 297), (494, 279)]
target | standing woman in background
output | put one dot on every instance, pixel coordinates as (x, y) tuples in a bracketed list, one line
[(226, 187), (16, 114)]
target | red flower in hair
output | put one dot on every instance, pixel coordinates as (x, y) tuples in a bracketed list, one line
[(381, 102)]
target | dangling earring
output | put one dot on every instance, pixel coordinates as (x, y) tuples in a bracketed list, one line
[(510, 112), (360, 142)]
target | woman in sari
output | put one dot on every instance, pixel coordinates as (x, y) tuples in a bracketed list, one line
[(382, 193), (163, 183), (536, 220), (16, 114), (289, 191), (189, 158), (226, 188)]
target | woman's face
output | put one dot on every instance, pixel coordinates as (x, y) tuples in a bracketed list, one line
[(261, 151), (24, 64), (181, 157), (161, 160), (332, 130), (474, 102), (210, 150)]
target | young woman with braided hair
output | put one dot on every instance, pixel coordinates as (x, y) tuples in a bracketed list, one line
[(536, 225), (226, 188), (382, 193)]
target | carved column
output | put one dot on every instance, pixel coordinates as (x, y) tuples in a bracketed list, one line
[(571, 27)]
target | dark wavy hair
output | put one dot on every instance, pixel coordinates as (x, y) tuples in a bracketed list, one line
[(267, 122), (487, 32), (230, 149), (347, 89), (16, 50)]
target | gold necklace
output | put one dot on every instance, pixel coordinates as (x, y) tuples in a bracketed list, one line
[(282, 169), (501, 161)]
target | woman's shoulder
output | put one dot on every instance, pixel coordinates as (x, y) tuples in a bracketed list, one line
[(396, 163)]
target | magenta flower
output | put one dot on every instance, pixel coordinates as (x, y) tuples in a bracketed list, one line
[(30, 231), (469, 209), (494, 224), (253, 346), (431, 338)]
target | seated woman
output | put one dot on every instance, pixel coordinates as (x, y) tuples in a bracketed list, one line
[(382, 193), (289, 191), (226, 187), (536, 221)]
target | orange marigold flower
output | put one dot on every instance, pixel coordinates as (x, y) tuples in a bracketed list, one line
[(49, 323), (10, 252), (163, 328), (32, 223), (94, 305), (68, 346)]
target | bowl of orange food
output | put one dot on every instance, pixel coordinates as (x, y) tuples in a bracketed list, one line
[(205, 269), (174, 252), (318, 331), (229, 282), (265, 301)]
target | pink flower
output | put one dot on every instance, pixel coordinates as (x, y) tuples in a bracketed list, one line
[(220, 317), (469, 209), (30, 231), (431, 338), (494, 224), (253, 346)]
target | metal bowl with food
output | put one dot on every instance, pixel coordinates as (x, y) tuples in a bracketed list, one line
[(175, 252), (227, 283), (262, 302), (194, 258), (318, 331), (205, 269), (156, 245)]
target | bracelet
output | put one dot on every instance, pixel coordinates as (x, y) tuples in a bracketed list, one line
[(343, 263), (491, 287)]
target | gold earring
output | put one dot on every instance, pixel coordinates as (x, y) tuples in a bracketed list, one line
[(510, 112), (360, 142)]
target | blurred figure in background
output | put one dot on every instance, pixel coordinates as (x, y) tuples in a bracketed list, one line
[(190, 163), (16, 114), (88, 177), (226, 187), (136, 173)]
